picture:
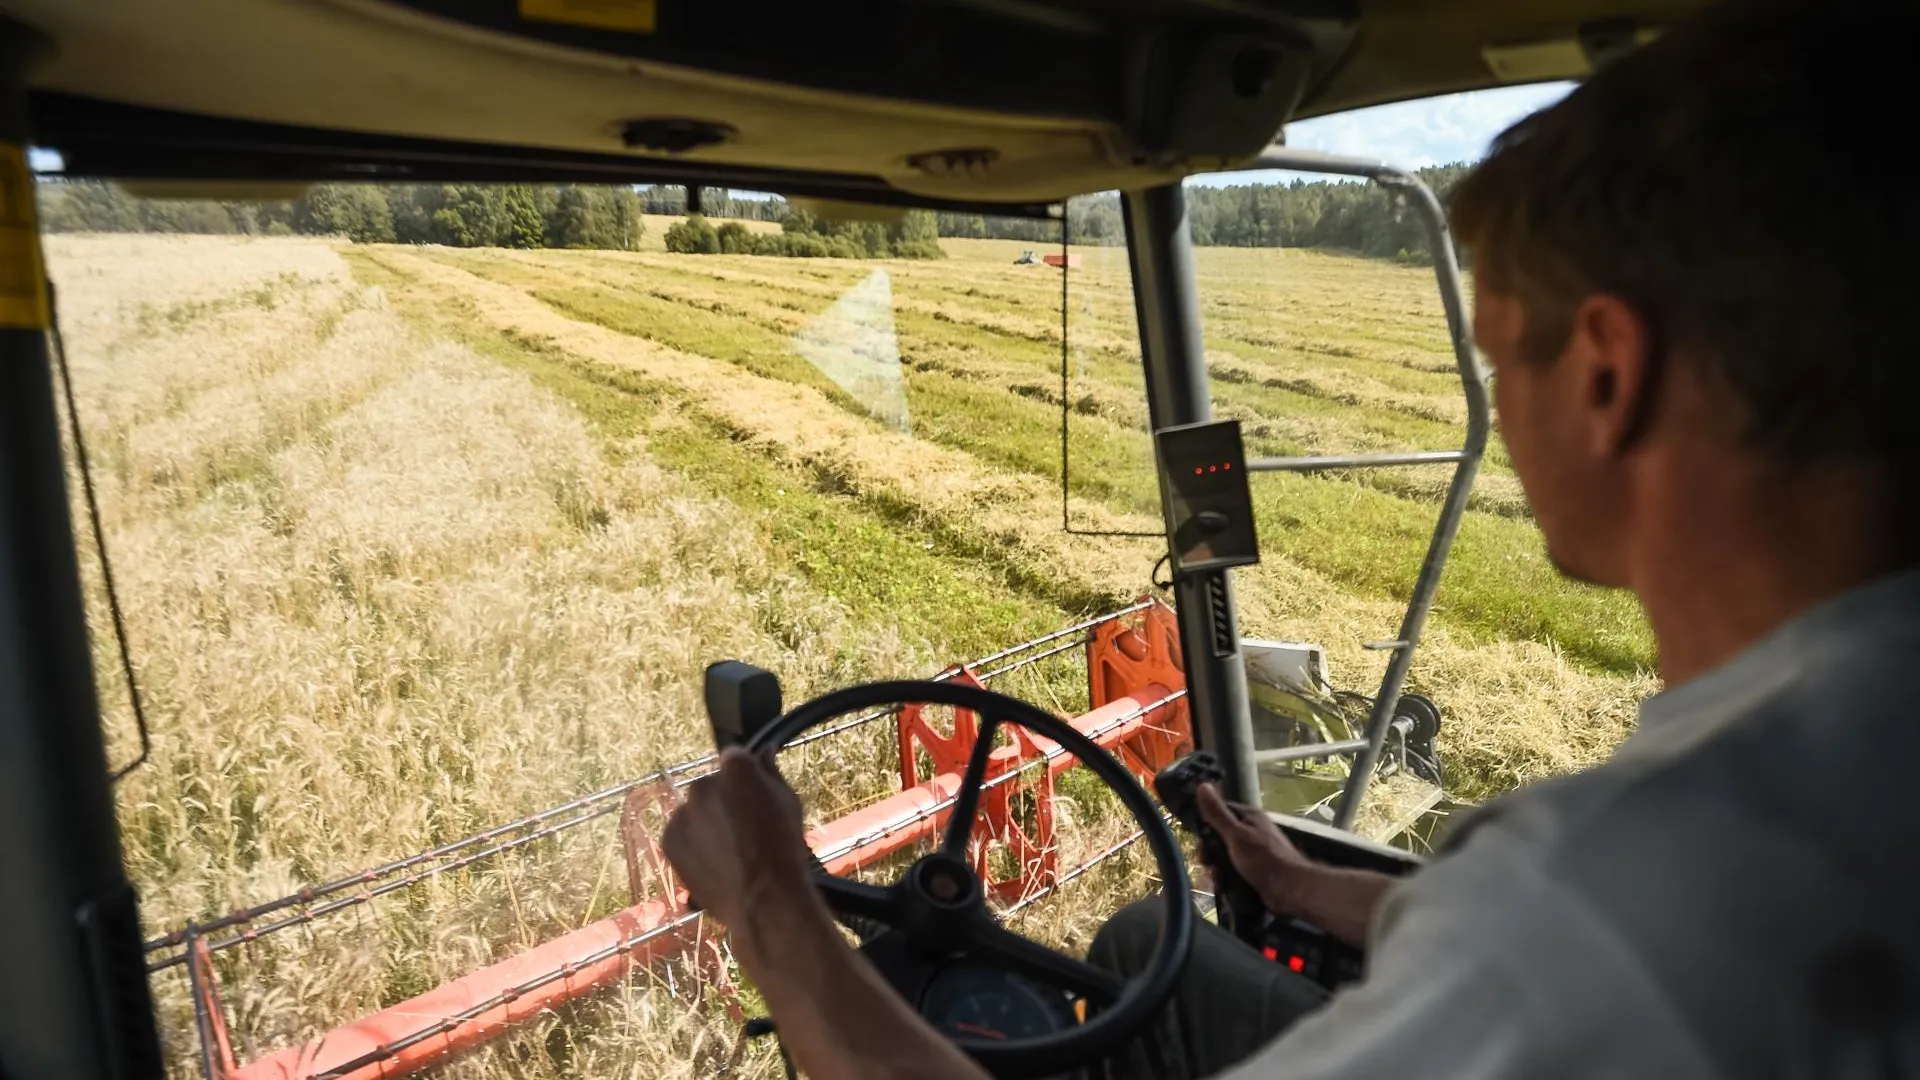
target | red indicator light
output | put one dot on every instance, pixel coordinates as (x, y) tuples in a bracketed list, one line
[(1271, 953), (1228, 466), (1213, 468), (1296, 963), (1196, 470)]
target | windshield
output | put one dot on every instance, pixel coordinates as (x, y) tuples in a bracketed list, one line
[(427, 506)]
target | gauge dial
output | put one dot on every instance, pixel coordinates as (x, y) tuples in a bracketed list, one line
[(986, 1003)]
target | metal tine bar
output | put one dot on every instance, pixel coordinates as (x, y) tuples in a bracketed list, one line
[(1025, 661), (308, 895), (1064, 879), (502, 998), (1355, 461), (1025, 767), (365, 878), (506, 996), (1055, 636), (391, 885)]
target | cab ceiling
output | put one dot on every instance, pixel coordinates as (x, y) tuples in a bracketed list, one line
[(989, 101)]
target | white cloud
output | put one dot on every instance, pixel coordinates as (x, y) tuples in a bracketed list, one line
[(1414, 134)]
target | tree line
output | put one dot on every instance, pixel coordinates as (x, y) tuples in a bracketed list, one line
[(1359, 218), (802, 234), (1354, 217), (714, 203), (458, 215)]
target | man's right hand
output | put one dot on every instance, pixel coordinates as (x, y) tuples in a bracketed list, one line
[(1261, 854), (1338, 900)]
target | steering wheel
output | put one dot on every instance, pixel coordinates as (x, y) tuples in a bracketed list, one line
[(937, 913)]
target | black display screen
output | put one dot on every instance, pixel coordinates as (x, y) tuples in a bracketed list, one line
[(1203, 490)]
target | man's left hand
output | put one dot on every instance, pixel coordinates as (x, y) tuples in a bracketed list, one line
[(739, 845)]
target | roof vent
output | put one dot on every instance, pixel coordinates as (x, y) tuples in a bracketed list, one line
[(968, 161), (674, 134)]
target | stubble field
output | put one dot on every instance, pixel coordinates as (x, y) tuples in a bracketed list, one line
[(413, 541)]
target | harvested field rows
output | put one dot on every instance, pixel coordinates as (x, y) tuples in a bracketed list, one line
[(734, 309)]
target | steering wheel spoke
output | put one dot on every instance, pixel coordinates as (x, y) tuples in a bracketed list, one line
[(992, 941), (966, 802), (857, 899)]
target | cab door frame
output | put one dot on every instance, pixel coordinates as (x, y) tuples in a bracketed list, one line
[(1167, 303)]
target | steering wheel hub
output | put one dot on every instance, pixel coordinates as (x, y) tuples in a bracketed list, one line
[(945, 882)]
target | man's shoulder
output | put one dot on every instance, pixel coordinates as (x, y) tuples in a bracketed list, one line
[(1755, 835), (1809, 737)]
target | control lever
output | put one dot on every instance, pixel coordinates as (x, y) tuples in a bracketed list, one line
[(741, 699), (1242, 912)]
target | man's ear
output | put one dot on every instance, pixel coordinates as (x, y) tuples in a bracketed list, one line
[(1616, 375)]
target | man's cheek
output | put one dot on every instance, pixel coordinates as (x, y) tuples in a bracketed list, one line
[(1510, 419), (1528, 447)]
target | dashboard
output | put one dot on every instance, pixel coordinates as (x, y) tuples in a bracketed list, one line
[(964, 999)]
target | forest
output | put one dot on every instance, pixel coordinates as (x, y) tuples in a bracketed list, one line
[(1356, 218), (457, 215), (806, 235), (1350, 217)]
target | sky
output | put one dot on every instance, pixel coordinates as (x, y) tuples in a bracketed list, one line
[(1414, 134)]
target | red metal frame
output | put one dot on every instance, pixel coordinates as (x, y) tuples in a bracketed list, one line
[(1124, 654), (216, 1046), (1139, 714)]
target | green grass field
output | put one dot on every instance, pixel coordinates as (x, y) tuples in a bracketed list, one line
[(1313, 353), (981, 340)]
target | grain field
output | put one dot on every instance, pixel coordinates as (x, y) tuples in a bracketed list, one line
[(413, 541)]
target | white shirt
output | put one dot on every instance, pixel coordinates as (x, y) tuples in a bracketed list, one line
[(1735, 894)]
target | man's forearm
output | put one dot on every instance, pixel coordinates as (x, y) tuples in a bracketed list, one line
[(837, 1016), (1334, 898)]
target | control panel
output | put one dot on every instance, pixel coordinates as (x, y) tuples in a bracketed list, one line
[(1311, 951), (1203, 491)]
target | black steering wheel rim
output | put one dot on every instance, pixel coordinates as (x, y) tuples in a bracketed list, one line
[(1115, 1024)]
